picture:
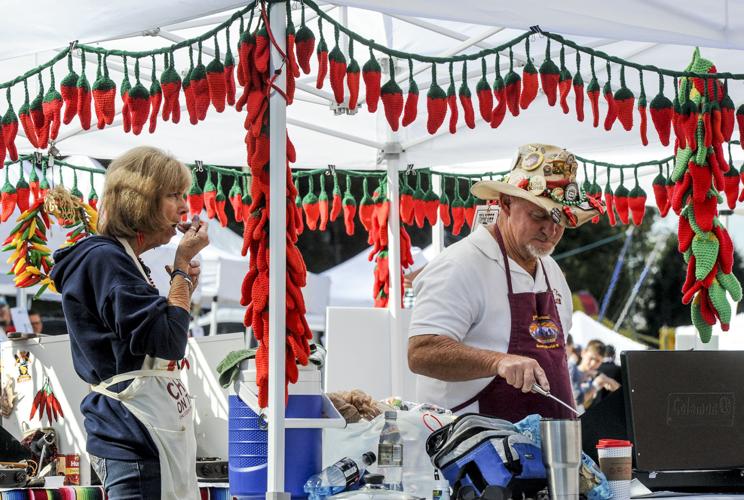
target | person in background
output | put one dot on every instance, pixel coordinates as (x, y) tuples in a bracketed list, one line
[(35, 318), (6, 320), (609, 366), (126, 338), (571, 354), (585, 380)]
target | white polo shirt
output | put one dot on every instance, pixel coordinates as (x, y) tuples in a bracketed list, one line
[(463, 294)]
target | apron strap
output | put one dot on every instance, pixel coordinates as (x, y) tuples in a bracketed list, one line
[(500, 241), (103, 386)]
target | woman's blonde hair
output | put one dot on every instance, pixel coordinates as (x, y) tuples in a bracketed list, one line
[(132, 192)]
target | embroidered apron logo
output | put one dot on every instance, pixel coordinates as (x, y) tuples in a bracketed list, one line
[(544, 330)]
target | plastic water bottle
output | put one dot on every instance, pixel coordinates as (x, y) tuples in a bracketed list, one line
[(337, 477), (390, 452)]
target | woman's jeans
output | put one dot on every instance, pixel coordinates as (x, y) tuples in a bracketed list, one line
[(128, 480)]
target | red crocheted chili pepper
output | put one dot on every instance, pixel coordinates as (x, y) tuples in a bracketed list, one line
[(661, 195), (323, 206), (565, 82), (624, 103), (52, 109), (513, 87), (444, 210), (436, 106), (69, 91), (126, 115), (726, 249), (452, 105), (731, 186), (592, 91), (644, 119), (529, 85), (216, 84), (337, 203), (684, 234), (610, 204), (322, 54), (392, 102), (727, 117), (349, 212), (498, 113), (549, 77), (200, 88), (372, 75), (229, 77), (485, 98), (139, 107), (246, 46), (337, 63), (661, 114), (466, 101), (304, 47), (701, 181), (637, 204), (156, 100), (170, 82), (353, 75), (9, 129), (262, 51), (410, 110), (578, 88), (611, 115)]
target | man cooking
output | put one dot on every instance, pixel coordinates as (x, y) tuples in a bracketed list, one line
[(492, 310)]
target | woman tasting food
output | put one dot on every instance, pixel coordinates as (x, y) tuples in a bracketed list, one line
[(126, 339)]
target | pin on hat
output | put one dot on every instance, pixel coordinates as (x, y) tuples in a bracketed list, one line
[(546, 176)]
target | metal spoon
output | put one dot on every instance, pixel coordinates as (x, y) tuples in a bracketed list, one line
[(536, 388)]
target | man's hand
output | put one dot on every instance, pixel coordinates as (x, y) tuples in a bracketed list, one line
[(602, 381), (521, 372)]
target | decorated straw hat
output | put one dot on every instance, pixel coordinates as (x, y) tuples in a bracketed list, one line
[(546, 176)]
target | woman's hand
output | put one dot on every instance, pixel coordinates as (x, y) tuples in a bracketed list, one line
[(194, 239)]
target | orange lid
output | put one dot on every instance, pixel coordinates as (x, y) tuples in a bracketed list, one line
[(613, 443)]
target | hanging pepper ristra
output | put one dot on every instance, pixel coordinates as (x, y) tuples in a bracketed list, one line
[(565, 82), (349, 208), (578, 88), (372, 76), (662, 111), (323, 205), (216, 80), (236, 199), (642, 113), (624, 102), (452, 103), (512, 87), (483, 91), (69, 92), (24, 114), (9, 129), (8, 197), (322, 54), (310, 206), (170, 82), (84, 96), (444, 206), (609, 96), (637, 202), (549, 77), (436, 103), (22, 192), (466, 100), (392, 99), (353, 76), (104, 95), (337, 202), (337, 62), (458, 210), (139, 103), (366, 207), (529, 79), (410, 110)]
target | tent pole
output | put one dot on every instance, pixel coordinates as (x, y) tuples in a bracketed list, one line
[(392, 155), (277, 260), (213, 316)]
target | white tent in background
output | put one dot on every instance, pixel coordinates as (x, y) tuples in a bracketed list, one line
[(585, 329)]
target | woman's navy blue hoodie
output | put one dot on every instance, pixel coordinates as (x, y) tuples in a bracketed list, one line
[(114, 318)]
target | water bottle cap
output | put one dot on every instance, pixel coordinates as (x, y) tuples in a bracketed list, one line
[(374, 479), (392, 415), (369, 458)]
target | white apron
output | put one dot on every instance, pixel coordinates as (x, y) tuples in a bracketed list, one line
[(158, 398)]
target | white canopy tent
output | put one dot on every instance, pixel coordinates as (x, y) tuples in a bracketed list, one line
[(632, 31)]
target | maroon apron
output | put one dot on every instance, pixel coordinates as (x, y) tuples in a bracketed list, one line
[(536, 333)]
